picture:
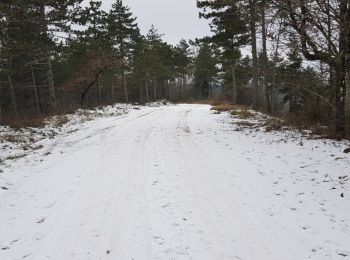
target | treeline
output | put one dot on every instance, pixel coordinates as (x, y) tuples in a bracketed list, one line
[(300, 56), (56, 56)]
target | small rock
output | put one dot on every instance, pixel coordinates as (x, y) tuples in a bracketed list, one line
[(108, 252), (342, 195), (4, 188), (347, 150)]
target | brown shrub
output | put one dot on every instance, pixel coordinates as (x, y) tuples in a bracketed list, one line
[(274, 124), (23, 122), (11, 138), (61, 120), (242, 114), (245, 124), (210, 101), (224, 107)]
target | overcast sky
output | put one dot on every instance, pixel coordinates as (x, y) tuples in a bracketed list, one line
[(176, 19)]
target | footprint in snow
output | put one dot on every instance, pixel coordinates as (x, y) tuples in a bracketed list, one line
[(305, 227), (159, 240), (343, 253), (15, 241), (41, 220)]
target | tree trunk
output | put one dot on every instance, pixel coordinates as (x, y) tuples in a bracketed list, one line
[(35, 89), (339, 104), (184, 84), (88, 87), (155, 90), (346, 29), (210, 89), (140, 95), (342, 71), (99, 96), (265, 58), (234, 83), (49, 73), (12, 90), (147, 90), (170, 92), (347, 103), (274, 95), (180, 87), (331, 81), (252, 25), (125, 86), (51, 84), (112, 93)]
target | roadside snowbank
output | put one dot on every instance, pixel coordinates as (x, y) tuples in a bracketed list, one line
[(19, 143)]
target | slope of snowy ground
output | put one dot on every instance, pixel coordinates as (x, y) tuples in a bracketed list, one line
[(176, 182), (15, 144)]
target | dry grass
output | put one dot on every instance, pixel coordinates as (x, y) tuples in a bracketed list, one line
[(211, 101), (218, 102), (61, 120), (317, 131), (242, 114), (11, 138), (86, 116), (224, 107), (245, 124), (274, 124), (24, 122)]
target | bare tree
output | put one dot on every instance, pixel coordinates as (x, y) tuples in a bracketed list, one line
[(323, 30)]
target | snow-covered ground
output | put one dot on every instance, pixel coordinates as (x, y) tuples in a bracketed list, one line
[(175, 182)]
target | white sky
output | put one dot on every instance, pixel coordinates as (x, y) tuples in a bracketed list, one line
[(176, 19)]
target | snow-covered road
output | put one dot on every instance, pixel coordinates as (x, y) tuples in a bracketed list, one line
[(177, 182)]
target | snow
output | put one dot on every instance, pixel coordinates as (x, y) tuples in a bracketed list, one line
[(20, 143), (175, 182)]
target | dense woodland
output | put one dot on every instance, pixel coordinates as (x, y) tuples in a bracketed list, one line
[(288, 58)]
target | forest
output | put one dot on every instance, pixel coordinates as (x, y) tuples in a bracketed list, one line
[(285, 58)]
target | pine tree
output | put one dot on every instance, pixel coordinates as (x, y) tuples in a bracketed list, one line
[(181, 61), (230, 33), (123, 32), (30, 29), (205, 71)]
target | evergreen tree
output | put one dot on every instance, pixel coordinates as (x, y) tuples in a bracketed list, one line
[(93, 19), (205, 70), (230, 33), (30, 30), (181, 62), (123, 32)]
